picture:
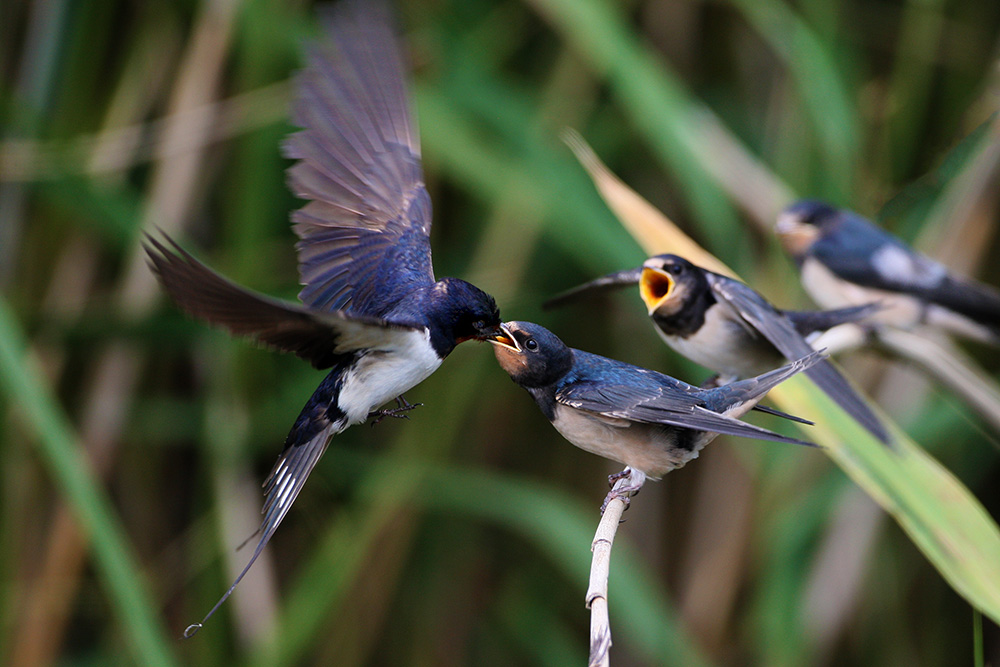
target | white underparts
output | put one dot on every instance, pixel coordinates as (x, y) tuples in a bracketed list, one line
[(382, 374)]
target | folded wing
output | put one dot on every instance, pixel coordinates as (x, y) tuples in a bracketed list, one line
[(781, 332), (643, 402)]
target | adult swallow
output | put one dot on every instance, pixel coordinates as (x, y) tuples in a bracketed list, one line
[(727, 326), (372, 312), (845, 259), (646, 420)]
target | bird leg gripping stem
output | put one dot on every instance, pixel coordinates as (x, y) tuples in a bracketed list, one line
[(624, 485)]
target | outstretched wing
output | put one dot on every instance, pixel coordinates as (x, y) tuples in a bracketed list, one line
[(611, 281), (364, 235), (781, 332), (317, 336)]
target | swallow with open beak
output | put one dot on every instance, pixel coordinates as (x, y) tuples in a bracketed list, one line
[(728, 327), (646, 420), (845, 259), (372, 311)]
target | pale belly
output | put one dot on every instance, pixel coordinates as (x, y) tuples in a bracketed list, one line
[(725, 347), (382, 375), (899, 310), (649, 448)]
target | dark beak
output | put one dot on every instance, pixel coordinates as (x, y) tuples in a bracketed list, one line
[(489, 334)]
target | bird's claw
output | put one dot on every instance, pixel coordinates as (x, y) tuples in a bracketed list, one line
[(612, 479), (624, 494), (612, 495), (398, 412)]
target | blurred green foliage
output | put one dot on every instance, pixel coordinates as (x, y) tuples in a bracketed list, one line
[(461, 536)]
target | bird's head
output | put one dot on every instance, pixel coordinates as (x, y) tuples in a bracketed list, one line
[(532, 355), (668, 283), (801, 224), (472, 314)]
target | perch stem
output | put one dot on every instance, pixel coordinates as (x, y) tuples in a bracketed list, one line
[(597, 592)]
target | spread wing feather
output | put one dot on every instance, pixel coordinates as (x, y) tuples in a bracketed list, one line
[(609, 282), (364, 235), (319, 337)]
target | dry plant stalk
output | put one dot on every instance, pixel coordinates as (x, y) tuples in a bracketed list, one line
[(946, 363), (600, 566), (638, 216)]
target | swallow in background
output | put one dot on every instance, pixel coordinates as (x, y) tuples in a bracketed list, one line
[(372, 311), (730, 328), (645, 420), (845, 259)]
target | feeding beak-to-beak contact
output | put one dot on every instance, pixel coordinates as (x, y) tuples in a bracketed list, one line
[(655, 288), (504, 338)]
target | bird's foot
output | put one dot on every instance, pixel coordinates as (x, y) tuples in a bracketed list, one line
[(612, 495), (625, 492), (612, 479), (398, 412)]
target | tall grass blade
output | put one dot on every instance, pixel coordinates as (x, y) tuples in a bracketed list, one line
[(57, 445), (824, 93)]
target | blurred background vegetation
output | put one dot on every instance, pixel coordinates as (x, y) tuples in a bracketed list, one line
[(134, 441)]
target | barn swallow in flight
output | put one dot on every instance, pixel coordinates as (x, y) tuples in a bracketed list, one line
[(845, 259), (372, 312), (646, 420), (724, 325)]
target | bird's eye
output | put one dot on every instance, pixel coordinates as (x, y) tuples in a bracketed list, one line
[(531, 344), (675, 269), (478, 325)]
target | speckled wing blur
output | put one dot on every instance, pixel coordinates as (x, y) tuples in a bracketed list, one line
[(364, 236)]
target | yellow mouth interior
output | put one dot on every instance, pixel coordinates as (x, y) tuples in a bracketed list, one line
[(655, 287), (504, 338)]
